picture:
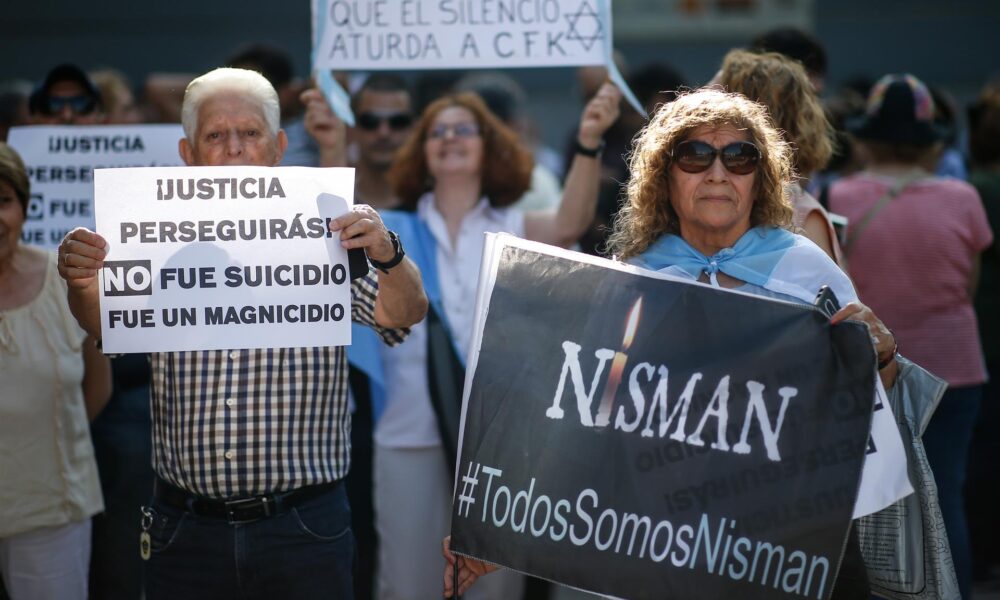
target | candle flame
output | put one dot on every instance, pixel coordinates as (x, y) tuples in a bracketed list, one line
[(633, 324)]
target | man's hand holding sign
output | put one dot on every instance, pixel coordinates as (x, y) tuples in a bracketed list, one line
[(247, 264), (363, 228), (246, 241), (227, 129)]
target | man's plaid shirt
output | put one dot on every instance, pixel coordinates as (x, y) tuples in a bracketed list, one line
[(237, 423)]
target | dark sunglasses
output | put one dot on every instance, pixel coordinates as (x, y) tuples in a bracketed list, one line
[(81, 105), (693, 156), (372, 121)]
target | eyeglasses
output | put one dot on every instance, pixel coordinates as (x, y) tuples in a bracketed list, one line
[(396, 121), (693, 156), (459, 130), (81, 105)]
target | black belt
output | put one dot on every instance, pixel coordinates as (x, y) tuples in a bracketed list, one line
[(242, 510)]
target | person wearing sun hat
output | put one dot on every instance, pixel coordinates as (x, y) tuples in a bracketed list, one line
[(913, 250)]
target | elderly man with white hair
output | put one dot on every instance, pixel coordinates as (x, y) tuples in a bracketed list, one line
[(250, 446)]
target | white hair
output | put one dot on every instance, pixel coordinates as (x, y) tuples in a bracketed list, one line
[(249, 84)]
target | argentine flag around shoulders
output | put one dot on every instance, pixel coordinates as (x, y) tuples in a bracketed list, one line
[(789, 264)]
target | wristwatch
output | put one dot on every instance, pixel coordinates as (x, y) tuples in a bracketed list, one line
[(591, 152), (395, 260)]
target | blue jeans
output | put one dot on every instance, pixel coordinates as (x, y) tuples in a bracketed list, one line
[(304, 553), (122, 440), (947, 443)]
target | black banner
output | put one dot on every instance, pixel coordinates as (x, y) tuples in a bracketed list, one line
[(651, 439)]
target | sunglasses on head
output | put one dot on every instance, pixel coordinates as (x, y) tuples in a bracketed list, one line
[(693, 156), (459, 130), (396, 121), (81, 105)]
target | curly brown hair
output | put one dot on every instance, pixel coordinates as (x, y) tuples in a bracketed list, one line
[(507, 165), (648, 214), (782, 85)]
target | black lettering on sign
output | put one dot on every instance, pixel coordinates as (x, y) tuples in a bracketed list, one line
[(131, 318), (36, 207)]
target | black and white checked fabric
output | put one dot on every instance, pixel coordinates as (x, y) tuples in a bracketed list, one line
[(236, 423)]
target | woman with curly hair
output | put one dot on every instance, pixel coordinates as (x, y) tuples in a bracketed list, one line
[(456, 178), (708, 201), (782, 85)]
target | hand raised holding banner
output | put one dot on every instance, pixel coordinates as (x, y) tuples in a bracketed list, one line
[(599, 114), (576, 212), (81, 254), (326, 128)]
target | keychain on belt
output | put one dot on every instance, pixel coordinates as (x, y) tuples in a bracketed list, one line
[(145, 545)]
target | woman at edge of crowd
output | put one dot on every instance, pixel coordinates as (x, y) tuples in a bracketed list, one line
[(691, 215), (456, 178), (914, 244), (53, 380), (783, 87)]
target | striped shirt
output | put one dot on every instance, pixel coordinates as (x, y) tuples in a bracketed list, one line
[(238, 423)]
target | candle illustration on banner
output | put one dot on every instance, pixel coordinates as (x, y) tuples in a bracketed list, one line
[(618, 367)]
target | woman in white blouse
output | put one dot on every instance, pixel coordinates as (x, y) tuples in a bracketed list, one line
[(457, 177), (53, 379)]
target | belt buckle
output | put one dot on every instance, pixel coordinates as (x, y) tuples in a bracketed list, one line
[(247, 503)]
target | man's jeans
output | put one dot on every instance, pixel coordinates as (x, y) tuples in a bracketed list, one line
[(306, 552)]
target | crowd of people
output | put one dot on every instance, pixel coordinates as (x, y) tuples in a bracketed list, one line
[(114, 483)]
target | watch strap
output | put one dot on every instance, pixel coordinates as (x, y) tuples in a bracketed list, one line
[(591, 152), (395, 260)]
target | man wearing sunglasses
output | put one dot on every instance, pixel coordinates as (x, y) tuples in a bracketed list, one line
[(384, 120), (66, 97)]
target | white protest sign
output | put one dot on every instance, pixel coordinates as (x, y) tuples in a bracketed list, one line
[(61, 160), (204, 258), (459, 34)]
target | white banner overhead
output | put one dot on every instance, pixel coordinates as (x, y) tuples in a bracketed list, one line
[(370, 35), (460, 34), (61, 160), (204, 258)]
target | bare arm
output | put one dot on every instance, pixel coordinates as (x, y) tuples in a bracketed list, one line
[(401, 301), (323, 126), (816, 230), (81, 254), (96, 378), (977, 263), (579, 201)]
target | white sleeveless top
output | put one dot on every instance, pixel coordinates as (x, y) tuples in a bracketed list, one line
[(48, 476)]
